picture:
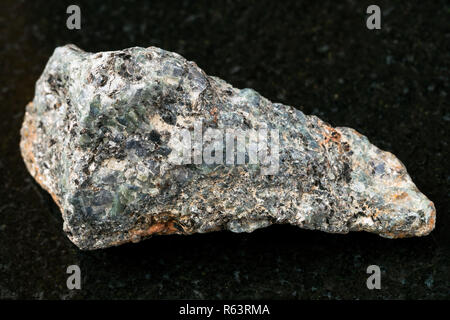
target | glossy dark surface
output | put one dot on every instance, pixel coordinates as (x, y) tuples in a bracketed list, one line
[(392, 85)]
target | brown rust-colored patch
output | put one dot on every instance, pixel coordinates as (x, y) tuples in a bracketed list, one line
[(28, 138), (422, 231), (157, 228), (335, 136), (214, 112), (401, 196), (332, 135)]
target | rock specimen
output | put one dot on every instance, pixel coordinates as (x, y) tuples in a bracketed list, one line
[(99, 137)]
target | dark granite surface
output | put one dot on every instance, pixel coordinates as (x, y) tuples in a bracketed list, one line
[(392, 85)]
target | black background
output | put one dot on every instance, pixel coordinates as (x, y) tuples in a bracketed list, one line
[(392, 85)]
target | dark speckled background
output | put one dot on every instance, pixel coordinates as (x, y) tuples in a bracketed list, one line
[(392, 85)]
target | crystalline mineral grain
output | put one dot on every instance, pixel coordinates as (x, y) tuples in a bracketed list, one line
[(97, 138)]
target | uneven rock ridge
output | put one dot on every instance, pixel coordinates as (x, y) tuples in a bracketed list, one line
[(104, 132)]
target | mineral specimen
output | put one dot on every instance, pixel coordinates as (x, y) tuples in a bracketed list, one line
[(101, 137)]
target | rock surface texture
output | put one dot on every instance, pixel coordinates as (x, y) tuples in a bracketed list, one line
[(97, 137)]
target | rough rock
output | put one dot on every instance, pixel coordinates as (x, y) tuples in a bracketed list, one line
[(99, 137)]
